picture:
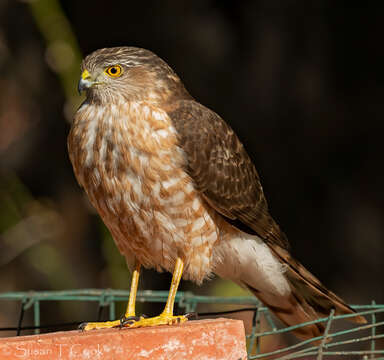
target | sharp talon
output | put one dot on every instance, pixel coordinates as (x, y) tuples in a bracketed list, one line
[(128, 320), (122, 320), (82, 326), (192, 315)]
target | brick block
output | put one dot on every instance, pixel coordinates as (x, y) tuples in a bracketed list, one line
[(218, 339)]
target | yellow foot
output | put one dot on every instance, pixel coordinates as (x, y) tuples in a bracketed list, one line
[(109, 324), (162, 319), (135, 322), (99, 325)]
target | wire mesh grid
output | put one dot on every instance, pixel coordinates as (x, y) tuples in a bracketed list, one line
[(358, 342)]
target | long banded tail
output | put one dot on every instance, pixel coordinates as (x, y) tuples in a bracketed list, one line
[(308, 300)]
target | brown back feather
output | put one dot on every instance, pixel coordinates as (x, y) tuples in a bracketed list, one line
[(222, 170)]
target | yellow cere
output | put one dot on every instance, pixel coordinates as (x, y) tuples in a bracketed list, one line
[(114, 70), (85, 75)]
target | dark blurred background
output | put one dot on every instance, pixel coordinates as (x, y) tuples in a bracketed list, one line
[(301, 82)]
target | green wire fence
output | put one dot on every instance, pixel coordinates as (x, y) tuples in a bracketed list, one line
[(332, 344)]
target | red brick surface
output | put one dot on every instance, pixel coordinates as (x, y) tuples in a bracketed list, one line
[(219, 339)]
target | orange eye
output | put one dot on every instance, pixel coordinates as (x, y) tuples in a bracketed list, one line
[(114, 70)]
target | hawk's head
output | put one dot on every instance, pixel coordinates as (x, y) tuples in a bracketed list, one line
[(129, 73)]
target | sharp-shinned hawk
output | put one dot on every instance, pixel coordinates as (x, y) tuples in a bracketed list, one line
[(178, 192)]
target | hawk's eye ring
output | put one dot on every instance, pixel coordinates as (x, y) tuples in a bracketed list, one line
[(114, 70)]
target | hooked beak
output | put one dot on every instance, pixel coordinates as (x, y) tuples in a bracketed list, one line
[(85, 82)]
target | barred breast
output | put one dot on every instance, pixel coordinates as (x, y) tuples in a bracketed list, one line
[(132, 169)]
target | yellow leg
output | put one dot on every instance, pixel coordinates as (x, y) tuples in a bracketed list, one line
[(166, 317), (129, 313), (132, 294)]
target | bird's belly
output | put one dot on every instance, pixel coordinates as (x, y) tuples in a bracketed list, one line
[(158, 216), (131, 167)]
